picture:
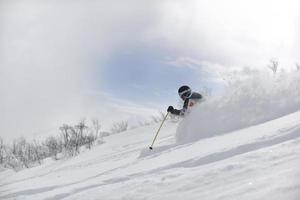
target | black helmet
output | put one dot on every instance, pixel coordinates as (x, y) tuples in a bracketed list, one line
[(184, 92)]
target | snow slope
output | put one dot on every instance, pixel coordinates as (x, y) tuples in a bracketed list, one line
[(258, 162)]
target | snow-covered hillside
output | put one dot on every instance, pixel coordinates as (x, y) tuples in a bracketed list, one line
[(258, 162)]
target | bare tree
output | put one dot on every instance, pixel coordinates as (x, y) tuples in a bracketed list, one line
[(119, 127), (297, 67), (38, 153), (273, 65), (2, 151), (26, 154), (10, 161), (90, 139), (54, 146), (20, 151), (23, 154), (65, 134), (76, 136), (96, 128), (72, 145), (79, 135)]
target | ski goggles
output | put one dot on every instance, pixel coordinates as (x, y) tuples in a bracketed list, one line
[(185, 94)]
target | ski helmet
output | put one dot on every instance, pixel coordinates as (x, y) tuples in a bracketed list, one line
[(184, 92)]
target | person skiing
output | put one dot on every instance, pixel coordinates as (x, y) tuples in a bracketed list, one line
[(189, 97)]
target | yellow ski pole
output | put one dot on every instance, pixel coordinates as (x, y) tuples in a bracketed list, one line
[(151, 147)]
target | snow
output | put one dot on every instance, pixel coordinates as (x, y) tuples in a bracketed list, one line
[(256, 162), (251, 97)]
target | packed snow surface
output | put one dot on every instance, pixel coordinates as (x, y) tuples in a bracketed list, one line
[(253, 163)]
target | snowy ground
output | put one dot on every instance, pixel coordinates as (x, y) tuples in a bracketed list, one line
[(259, 162)]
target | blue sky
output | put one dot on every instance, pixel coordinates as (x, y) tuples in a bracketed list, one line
[(144, 75)]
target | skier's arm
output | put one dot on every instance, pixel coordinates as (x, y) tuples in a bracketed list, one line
[(176, 112), (179, 112)]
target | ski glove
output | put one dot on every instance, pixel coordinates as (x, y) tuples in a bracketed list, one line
[(170, 109)]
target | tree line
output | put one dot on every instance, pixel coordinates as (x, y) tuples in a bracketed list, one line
[(22, 153)]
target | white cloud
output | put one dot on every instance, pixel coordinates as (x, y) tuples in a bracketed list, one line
[(185, 62), (233, 32), (50, 52)]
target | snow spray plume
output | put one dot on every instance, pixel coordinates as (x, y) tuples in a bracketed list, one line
[(251, 97)]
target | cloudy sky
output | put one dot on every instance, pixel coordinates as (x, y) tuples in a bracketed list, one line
[(63, 60)]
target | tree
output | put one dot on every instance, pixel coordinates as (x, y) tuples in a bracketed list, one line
[(54, 146), (79, 132), (37, 152), (25, 154), (273, 65), (74, 137), (65, 135), (119, 127), (2, 151), (96, 128), (297, 67), (20, 151), (89, 140)]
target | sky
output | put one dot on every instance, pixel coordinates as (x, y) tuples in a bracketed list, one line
[(64, 60)]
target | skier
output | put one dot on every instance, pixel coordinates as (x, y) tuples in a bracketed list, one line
[(190, 99)]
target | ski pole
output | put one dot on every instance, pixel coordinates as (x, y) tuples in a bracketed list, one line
[(151, 147)]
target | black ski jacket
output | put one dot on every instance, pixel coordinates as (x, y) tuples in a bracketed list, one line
[(188, 102)]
